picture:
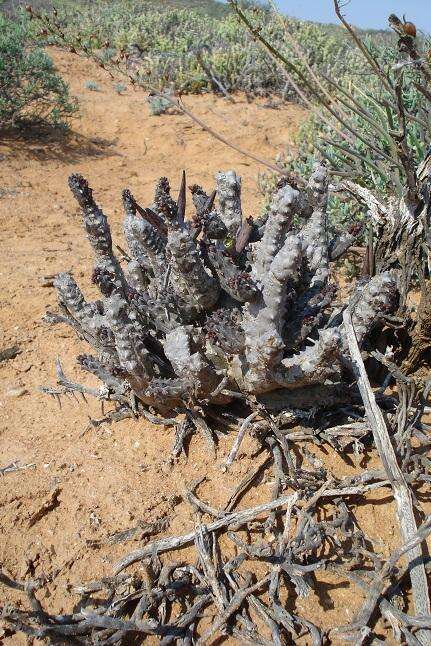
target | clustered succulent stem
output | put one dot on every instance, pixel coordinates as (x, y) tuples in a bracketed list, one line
[(215, 305)]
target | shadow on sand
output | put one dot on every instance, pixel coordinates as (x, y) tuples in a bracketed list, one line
[(47, 144)]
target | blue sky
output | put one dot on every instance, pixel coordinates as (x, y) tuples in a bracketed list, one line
[(363, 13)]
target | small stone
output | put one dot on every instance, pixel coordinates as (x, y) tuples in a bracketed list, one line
[(25, 368), (17, 392)]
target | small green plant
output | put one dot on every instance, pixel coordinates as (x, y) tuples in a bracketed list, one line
[(158, 105), (31, 91), (352, 268), (92, 86), (120, 88)]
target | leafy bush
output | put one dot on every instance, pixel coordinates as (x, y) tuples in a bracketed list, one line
[(30, 89), (370, 122), (92, 86), (120, 88), (158, 105), (377, 167)]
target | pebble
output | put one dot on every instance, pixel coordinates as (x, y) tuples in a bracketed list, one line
[(17, 392)]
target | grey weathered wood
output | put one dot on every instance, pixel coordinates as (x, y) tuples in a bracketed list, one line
[(400, 488), (167, 544), (239, 438)]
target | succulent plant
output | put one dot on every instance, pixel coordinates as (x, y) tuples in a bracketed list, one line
[(216, 308)]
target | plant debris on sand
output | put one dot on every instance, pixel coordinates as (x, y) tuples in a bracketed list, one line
[(219, 320)]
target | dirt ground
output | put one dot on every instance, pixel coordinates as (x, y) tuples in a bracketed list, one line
[(94, 482)]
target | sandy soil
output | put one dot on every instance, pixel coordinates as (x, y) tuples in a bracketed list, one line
[(108, 479)]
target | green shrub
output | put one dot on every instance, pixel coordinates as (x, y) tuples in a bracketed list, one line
[(120, 88), (92, 86), (355, 120), (170, 38), (377, 169), (158, 105), (31, 92)]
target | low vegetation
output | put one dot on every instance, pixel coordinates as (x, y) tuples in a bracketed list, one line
[(31, 91), (186, 49)]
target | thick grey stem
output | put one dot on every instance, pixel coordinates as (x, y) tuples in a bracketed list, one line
[(189, 364), (136, 277), (229, 196), (98, 231), (313, 365), (146, 244), (371, 302), (86, 318), (263, 321), (279, 222), (71, 297), (235, 282), (189, 279), (132, 354), (314, 235)]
